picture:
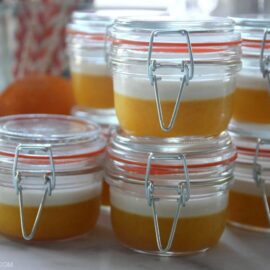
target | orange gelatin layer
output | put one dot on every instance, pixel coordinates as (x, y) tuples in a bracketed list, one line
[(57, 222), (192, 233), (105, 200), (195, 117), (247, 209), (93, 91), (252, 106)]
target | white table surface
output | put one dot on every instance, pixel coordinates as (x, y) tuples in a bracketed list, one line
[(238, 249)]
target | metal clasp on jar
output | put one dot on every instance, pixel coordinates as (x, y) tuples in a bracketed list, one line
[(265, 59), (182, 191), (49, 184), (257, 175), (187, 71)]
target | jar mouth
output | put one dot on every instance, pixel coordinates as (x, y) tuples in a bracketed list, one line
[(199, 152)]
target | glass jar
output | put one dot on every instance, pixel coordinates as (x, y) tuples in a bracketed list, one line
[(252, 96), (174, 78), (169, 196), (51, 176), (107, 120), (250, 195), (87, 46), (91, 78)]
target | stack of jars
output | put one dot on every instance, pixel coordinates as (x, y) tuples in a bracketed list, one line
[(250, 129), (171, 163)]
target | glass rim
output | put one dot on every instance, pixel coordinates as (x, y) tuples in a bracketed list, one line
[(202, 24), (252, 20), (58, 131)]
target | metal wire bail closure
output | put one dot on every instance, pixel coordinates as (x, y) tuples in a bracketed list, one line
[(187, 71), (183, 190), (49, 184), (265, 60), (257, 175)]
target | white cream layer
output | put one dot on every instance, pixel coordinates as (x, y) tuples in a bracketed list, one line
[(248, 186), (60, 196), (194, 207), (90, 68), (251, 81), (197, 90)]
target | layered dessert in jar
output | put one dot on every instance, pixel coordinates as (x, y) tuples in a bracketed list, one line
[(250, 194), (169, 196), (252, 95), (91, 78), (51, 176), (169, 82)]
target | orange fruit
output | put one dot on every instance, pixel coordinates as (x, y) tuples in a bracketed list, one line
[(37, 93)]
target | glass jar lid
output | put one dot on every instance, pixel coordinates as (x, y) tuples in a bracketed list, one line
[(46, 155), (169, 156), (171, 42), (32, 138)]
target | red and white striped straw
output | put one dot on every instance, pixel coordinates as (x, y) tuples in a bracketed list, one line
[(41, 36)]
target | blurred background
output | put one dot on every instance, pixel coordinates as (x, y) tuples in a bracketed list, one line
[(181, 7), (33, 41), (210, 7)]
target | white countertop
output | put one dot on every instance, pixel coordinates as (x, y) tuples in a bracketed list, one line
[(238, 249)]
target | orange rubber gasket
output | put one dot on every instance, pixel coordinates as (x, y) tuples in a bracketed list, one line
[(255, 43), (44, 160), (178, 47), (166, 169), (252, 151)]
